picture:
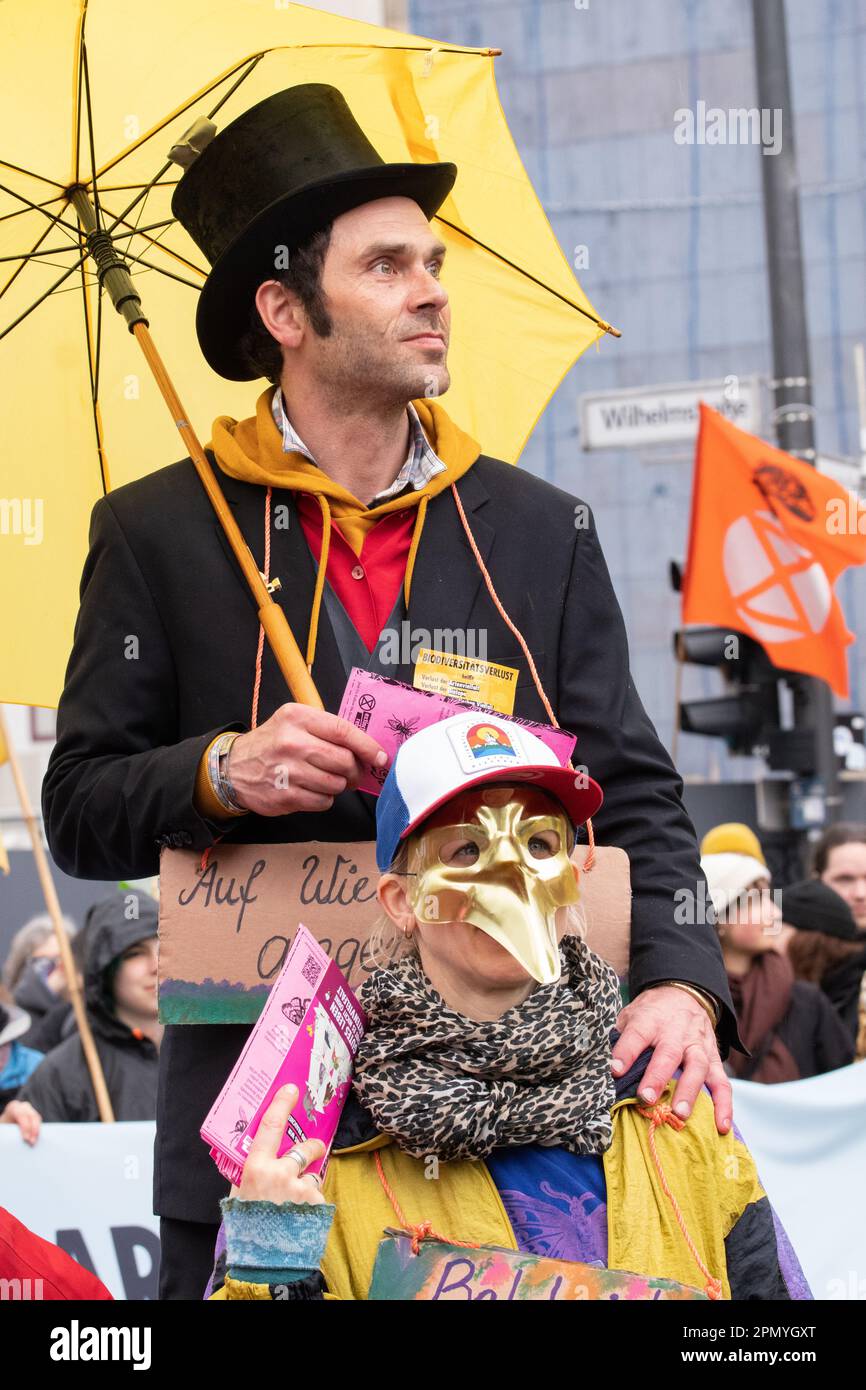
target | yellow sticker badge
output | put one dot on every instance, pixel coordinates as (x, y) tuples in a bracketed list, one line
[(466, 678)]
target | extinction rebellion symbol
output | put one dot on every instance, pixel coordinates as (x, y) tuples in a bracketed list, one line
[(778, 485)]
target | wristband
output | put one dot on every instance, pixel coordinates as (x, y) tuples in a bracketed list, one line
[(217, 759)]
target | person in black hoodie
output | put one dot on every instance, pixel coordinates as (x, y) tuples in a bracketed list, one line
[(120, 988)]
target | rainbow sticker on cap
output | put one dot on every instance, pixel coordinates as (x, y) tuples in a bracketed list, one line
[(484, 745), (466, 750), (487, 739)]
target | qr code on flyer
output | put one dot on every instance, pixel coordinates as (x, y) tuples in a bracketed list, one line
[(311, 970)]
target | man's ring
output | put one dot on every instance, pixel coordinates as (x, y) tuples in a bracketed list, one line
[(299, 1157)]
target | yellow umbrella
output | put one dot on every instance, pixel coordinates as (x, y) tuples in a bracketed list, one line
[(95, 94)]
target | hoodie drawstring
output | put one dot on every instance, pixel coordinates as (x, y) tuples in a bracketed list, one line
[(322, 571), (321, 574)]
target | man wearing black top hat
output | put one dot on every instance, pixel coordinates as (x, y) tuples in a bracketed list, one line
[(387, 502)]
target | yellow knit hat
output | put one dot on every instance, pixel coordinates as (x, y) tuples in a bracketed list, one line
[(732, 838)]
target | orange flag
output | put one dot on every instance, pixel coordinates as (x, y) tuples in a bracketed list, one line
[(769, 537)]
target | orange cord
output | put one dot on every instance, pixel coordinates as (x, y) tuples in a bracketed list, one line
[(662, 1114), (542, 694), (423, 1230)]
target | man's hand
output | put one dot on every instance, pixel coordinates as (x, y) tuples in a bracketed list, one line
[(299, 760), (679, 1031), (22, 1114), (267, 1178)]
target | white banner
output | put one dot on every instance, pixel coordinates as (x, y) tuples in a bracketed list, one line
[(89, 1189), (808, 1139)]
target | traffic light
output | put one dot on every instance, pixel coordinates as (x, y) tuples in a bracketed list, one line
[(747, 715)]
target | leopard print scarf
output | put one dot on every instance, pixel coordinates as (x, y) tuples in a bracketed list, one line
[(442, 1084)]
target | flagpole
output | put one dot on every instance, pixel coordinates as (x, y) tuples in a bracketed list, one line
[(49, 892), (794, 414)]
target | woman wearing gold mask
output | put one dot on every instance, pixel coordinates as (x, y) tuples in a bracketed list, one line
[(483, 1110)]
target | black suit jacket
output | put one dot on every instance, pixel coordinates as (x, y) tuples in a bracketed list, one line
[(163, 660)]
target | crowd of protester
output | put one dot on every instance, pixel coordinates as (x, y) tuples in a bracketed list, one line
[(43, 1072), (795, 955), (795, 958)]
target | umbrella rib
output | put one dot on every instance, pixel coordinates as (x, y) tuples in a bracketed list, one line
[(600, 323), (87, 102), (125, 187), (56, 219), (76, 127), (97, 356), (139, 260), (93, 369), (152, 241), (35, 305), (51, 223), (25, 258), (37, 207), (87, 334), (17, 169), (161, 126)]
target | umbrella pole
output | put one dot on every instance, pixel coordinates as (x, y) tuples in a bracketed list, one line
[(114, 277), (271, 616), (94, 1066)]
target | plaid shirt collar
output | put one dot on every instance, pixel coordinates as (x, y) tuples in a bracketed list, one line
[(422, 462)]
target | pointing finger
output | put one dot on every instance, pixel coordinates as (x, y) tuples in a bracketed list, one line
[(273, 1123)]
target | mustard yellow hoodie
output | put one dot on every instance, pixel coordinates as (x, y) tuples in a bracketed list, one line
[(252, 451)]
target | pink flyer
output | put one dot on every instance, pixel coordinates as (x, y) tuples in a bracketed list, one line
[(390, 712), (307, 1035)]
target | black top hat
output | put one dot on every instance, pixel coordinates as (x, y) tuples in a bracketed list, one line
[(277, 174)]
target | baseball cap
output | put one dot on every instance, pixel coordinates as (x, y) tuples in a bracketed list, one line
[(470, 750)]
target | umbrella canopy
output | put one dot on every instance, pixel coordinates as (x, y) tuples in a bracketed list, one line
[(95, 94)]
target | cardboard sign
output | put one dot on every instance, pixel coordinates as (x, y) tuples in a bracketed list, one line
[(225, 930), (454, 1272)]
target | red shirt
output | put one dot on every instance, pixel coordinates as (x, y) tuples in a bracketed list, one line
[(367, 585)]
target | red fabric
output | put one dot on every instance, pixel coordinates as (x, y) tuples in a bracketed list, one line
[(24, 1255), (369, 600)]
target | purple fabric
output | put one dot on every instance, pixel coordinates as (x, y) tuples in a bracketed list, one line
[(555, 1201), (219, 1259)]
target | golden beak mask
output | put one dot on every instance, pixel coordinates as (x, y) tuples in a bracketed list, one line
[(502, 867)]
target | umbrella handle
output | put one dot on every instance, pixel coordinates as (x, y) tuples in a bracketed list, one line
[(271, 616)]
